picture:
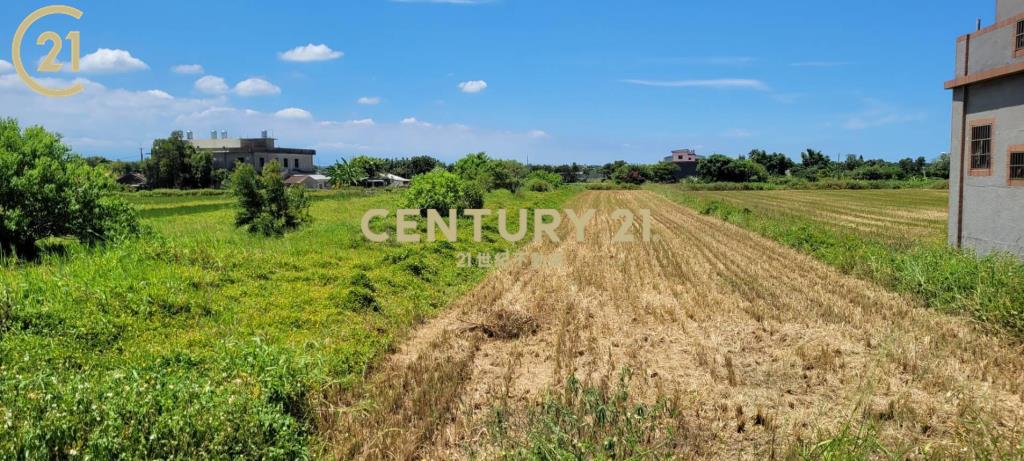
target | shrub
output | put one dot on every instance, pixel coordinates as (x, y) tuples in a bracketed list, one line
[(631, 174), (542, 181), (360, 299), (718, 168), (47, 191), (538, 185), (360, 279), (265, 205), (442, 191)]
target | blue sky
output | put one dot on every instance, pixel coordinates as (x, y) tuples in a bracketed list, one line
[(560, 81)]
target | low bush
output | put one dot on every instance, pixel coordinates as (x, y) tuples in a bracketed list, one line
[(538, 185), (442, 191), (47, 191), (360, 299)]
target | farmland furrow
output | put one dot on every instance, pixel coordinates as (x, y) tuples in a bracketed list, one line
[(762, 347)]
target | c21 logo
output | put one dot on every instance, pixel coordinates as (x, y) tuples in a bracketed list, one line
[(49, 63)]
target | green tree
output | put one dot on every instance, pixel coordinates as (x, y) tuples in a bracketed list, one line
[(811, 158), (938, 168), (342, 174), (720, 168), (664, 172), (442, 190), (631, 174), (176, 163), (47, 191), (714, 168), (201, 164), (508, 174), (265, 205), (415, 166), (367, 167), (477, 168), (775, 163)]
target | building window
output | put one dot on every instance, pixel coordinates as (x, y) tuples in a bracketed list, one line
[(241, 159), (981, 147), (262, 162), (296, 163), (1016, 166), (285, 163), (1019, 40)]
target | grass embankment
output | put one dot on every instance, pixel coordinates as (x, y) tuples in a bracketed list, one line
[(889, 237), (202, 341)]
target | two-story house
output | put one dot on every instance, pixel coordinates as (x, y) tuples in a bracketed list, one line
[(986, 207)]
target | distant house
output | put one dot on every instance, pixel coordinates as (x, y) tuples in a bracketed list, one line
[(309, 181), (132, 180), (386, 180), (227, 152), (686, 161), (396, 180), (986, 182)]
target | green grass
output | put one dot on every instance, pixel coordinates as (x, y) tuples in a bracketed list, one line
[(590, 421), (202, 341), (908, 255)]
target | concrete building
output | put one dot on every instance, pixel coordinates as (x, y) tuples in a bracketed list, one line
[(254, 151), (986, 206), (686, 160)]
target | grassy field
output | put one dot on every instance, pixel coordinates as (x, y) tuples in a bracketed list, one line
[(203, 341), (893, 237)]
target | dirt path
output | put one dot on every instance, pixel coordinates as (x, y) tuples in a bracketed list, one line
[(761, 348)]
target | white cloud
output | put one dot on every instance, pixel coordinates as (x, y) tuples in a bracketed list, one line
[(877, 114), (414, 122), (97, 125), (473, 86), (188, 69), (160, 94), (369, 100), (538, 134), (310, 53), (256, 87), (106, 60), (294, 113), (721, 83), (211, 84), (5, 67)]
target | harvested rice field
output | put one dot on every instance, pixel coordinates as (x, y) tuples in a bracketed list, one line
[(706, 342), (890, 214)]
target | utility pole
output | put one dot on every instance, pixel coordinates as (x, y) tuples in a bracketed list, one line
[(141, 156)]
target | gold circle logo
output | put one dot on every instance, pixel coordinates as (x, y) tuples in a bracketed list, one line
[(48, 64)]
